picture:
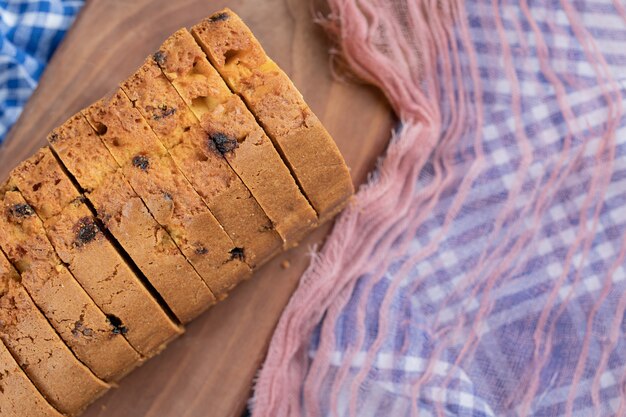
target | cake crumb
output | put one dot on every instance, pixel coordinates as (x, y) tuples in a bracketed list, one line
[(285, 264)]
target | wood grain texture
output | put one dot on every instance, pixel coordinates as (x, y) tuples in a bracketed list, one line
[(209, 371)]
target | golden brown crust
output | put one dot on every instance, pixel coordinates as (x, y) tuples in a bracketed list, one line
[(79, 322), (92, 259), (126, 217), (207, 170), (234, 132), (171, 199), (66, 383), (304, 143)]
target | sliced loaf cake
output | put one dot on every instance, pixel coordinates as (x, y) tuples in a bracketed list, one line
[(222, 190), (64, 381), (73, 314), (233, 131), (302, 140), (92, 259), (153, 174)]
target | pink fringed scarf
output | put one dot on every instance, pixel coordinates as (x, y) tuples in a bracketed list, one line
[(480, 271)]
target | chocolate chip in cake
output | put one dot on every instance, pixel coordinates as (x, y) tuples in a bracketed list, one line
[(201, 250), (159, 57), (218, 17), (87, 230), (77, 330), (163, 111), (116, 323), (80, 329), (223, 143), (237, 253), (141, 162), (21, 210)]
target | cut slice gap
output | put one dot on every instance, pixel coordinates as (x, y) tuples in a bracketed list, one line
[(203, 166), (80, 242), (18, 396)]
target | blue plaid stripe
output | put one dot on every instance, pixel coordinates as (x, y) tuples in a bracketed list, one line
[(30, 31)]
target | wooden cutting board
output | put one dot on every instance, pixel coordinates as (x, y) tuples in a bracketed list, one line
[(209, 371)]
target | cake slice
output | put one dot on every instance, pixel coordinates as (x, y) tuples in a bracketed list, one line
[(307, 148), (18, 396), (170, 198), (219, 186), (92, 259), (66, 383), (233, 132), (80, 323), (124, 214)]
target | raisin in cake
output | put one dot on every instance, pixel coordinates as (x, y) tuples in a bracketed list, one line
[(73, 314)]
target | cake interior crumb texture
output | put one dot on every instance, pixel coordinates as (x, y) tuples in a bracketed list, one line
[(306, 146), (95, 263), (125, 215), (64, 381), (222, 190), (167, 193), (73, 314), (18, 396), (234, 132)]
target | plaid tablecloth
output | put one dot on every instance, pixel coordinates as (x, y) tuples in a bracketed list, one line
[(30, 31), (489, 277)]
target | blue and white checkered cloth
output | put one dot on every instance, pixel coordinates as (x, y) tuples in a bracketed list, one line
[(30, 32)]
